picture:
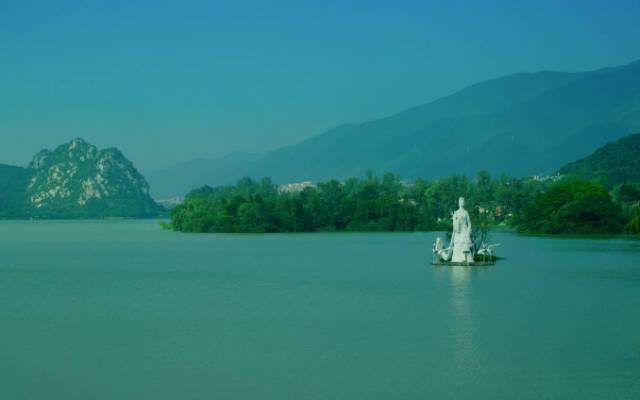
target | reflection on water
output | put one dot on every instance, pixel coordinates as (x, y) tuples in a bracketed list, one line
[(465, 354)]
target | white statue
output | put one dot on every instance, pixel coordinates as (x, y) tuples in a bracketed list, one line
[(461, 243)]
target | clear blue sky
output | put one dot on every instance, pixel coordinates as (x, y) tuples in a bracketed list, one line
[(168, 81)]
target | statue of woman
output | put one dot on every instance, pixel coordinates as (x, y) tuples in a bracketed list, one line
[(461, 236)]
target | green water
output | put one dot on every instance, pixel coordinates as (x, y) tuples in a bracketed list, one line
[(124, 310)]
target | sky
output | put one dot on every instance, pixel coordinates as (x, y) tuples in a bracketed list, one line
[(171, 81)]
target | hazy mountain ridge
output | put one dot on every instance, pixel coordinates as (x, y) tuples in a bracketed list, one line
[(188, 175), (77, 180), (522, 124)]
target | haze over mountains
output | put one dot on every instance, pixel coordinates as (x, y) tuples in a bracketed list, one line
[(522, 124)]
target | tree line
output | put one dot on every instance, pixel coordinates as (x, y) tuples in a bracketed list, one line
[(388, 203)]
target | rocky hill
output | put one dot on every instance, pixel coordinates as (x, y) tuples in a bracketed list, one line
[(77, 180)]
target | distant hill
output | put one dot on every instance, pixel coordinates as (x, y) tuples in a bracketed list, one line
[(612, 164), (522, 124), (76, 180), (182, 178), (13, 185)]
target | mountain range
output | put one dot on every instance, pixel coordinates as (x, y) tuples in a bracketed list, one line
[(522, 124), (76, 180)]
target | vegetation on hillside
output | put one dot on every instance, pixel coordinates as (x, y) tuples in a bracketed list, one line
[(613, 164), (13, 183), (76, 180)]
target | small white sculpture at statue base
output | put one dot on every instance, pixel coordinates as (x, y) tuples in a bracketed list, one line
[(439, 252)]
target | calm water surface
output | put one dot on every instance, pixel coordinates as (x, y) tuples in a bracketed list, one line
[(124, 310)]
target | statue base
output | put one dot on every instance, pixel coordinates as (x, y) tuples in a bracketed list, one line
[(462, 264)]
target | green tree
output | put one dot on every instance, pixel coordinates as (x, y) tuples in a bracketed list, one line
[(573, 207), (633, 226)]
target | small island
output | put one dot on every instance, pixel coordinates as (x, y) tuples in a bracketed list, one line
[(464, 247)]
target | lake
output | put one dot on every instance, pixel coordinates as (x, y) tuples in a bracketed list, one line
[(125, 310)]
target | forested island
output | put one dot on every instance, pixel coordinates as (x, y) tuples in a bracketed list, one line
[(389, 204)]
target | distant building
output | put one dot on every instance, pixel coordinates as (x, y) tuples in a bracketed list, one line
[(409, 201), (407, 184), (543, 178), (296, 187), (170, 202)]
